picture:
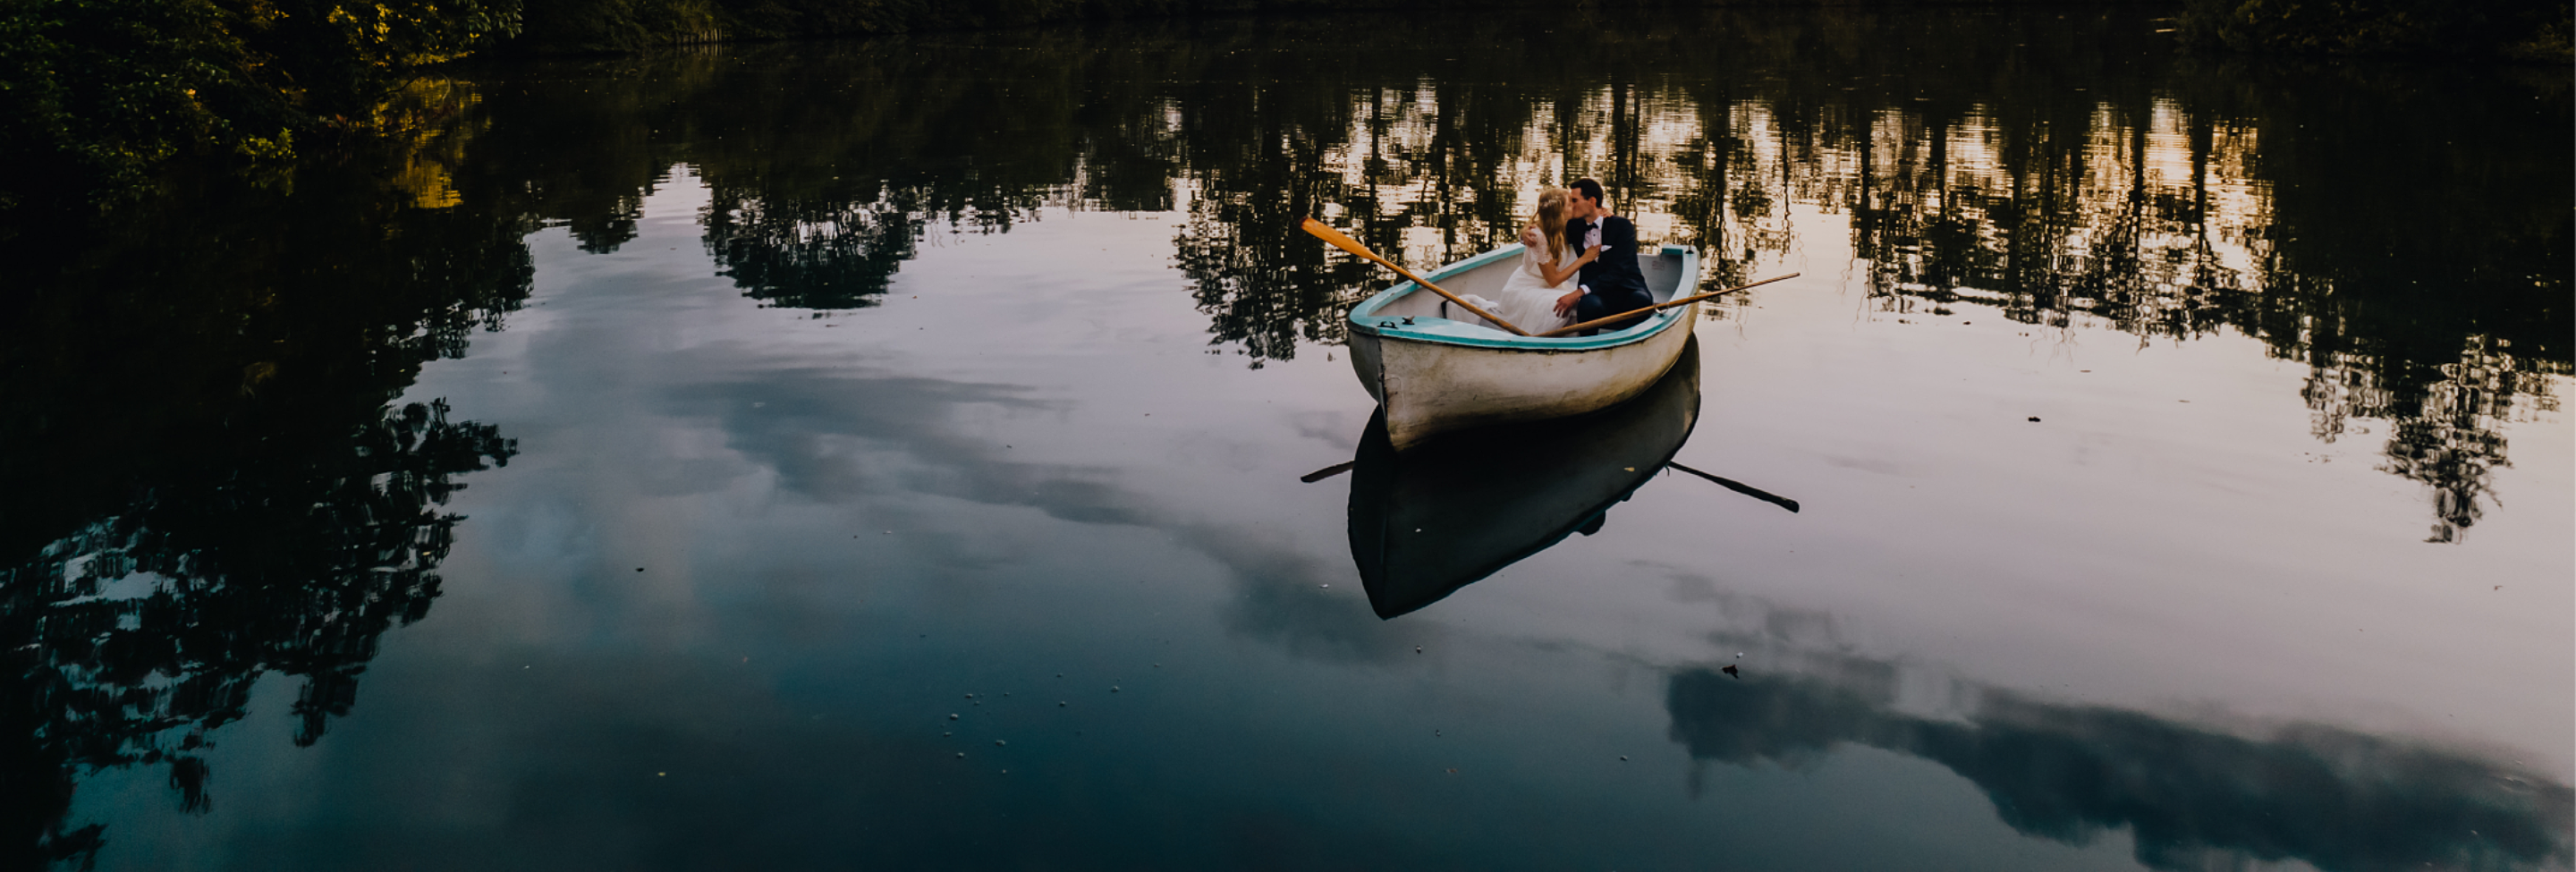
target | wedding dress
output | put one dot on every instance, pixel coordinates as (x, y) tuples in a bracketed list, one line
[(1528, 301)]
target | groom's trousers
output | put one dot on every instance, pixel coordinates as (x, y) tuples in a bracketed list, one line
[(1603, 304)]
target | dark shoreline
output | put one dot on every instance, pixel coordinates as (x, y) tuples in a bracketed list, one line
[(609, 27), (99, 112), (2511, 31)]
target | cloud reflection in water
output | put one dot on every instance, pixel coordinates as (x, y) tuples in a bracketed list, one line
[(816, 427), (2193, 796), (834, 434)]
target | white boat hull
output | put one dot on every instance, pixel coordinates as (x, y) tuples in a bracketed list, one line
[(1433, 374)]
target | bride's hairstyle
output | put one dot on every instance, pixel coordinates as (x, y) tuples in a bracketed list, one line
[(1551, 221)]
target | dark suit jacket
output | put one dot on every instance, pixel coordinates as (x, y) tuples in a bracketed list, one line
[(1614, 276)]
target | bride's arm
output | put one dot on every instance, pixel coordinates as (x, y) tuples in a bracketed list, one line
[(1555, 276)]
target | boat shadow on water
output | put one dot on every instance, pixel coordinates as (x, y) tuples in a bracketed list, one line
[(1448, 513)]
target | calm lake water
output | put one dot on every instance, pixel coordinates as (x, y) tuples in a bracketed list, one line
[(893, 454)]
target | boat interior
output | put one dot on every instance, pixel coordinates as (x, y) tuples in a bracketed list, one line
[(1484, 277)]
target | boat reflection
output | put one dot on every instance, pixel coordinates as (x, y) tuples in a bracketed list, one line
[(1454, 510)]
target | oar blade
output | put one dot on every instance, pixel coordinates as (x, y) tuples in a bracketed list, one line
[(1339, 239), (1345, 243)]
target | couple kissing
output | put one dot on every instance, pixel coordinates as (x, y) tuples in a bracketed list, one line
[(1580, 264)]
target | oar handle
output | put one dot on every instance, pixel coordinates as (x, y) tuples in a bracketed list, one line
[(1345, 243), (1658, 307)]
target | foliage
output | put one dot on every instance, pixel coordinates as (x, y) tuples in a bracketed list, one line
[(95, 94), (606, 26), (616, 26), (2522, 29), (2552, 41)]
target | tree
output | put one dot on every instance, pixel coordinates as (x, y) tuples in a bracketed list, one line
[(95, 95)]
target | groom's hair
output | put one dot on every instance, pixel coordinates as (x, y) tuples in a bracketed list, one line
[(1591, 190)]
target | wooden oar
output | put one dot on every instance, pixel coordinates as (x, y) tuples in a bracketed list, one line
[(1353, 246), (1635, 313)]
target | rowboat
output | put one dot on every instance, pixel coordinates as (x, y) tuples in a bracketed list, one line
[(1435, 368), (1425, 523)]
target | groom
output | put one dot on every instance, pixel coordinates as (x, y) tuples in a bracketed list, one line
[(1610, 283)]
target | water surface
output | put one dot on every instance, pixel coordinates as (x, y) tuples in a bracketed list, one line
[(642, 467)]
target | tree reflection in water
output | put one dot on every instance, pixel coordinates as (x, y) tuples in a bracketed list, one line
[(2065, 171), (2190, 794), (2192, 797), (200, 402), (207, 484)]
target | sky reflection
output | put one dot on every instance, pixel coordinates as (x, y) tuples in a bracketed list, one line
[(825, 402)]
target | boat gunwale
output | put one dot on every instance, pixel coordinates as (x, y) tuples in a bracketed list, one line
[(1386, 326)]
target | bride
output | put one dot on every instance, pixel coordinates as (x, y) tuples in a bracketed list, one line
[(1547, 269)]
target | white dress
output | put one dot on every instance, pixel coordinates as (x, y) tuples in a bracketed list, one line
[(1528, 301)]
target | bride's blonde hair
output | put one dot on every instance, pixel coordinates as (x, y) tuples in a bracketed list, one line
[(1551, 221)]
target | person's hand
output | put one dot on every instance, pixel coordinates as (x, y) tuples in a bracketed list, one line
[(1565, 304), (1532, 238)]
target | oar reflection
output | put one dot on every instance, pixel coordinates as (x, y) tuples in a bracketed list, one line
[(1742, 488)]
